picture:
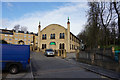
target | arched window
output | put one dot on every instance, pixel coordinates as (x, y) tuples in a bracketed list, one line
[(52, 36), (43, 36), (61, 46), (43, 46), (62, 35)]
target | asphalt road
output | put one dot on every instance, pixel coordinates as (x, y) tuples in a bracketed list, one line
[(54, 67)]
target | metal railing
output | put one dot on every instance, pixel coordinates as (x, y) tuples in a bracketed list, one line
[(100, 58)]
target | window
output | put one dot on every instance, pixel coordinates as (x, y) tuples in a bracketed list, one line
[(72, 46), (61, 46), (16, 39), (11, 35), (49, 50), (28, 36), (43, 46), (10, 39), (16, 42), (62, 35), (72, 38), (24, 36), (16, 35), (52, 36), (24, 39), (6, 35), (10, 42), (5, 38), (44, 36), (28, 40)]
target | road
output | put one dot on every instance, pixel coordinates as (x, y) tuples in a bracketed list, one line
[(54, 67)]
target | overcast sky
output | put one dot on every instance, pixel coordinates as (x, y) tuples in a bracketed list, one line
[(30, 13)]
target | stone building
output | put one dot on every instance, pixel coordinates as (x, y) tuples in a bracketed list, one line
[(56, 37)]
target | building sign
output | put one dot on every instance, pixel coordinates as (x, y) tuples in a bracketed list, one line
[(52, 43)]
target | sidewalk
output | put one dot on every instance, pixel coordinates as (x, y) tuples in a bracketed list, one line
[(108, 73)]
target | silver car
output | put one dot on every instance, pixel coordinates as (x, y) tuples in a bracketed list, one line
[(49, 52)]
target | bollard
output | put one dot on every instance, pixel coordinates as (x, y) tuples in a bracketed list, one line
[(93, 58), (64, 54), (113, 51), (58, 53)]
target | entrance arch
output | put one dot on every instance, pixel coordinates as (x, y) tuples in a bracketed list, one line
[(21, 42), (52, 45)]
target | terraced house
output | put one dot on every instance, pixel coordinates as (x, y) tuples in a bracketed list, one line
[(53, 36), (19, 37)]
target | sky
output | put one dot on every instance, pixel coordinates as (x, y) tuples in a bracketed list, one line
[(30, 13)]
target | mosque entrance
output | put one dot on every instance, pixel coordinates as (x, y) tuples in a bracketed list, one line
[(52, 45)]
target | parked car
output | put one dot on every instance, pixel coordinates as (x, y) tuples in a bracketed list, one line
[(15, 57), (49, 52)]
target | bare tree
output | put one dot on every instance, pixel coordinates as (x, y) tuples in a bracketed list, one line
[(113, 31), (105, 17), (17, 27), (24, 28), (117, 10)]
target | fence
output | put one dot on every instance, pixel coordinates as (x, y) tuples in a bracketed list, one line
[(100, 57)]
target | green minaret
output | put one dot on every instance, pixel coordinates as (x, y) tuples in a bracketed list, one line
[(39, 33), (68, 21), (68, 36)]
